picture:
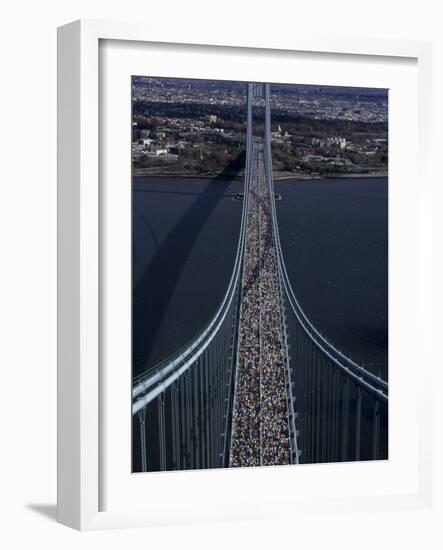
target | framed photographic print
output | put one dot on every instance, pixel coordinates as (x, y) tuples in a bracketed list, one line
[(233, 274), (228, 369)]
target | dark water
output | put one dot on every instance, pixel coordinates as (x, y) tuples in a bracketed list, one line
[(334, 237), (185, 234)]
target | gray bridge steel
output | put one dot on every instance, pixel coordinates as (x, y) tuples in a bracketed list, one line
[(182, 408)]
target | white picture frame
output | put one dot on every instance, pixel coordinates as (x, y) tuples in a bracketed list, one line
[(80, 412)]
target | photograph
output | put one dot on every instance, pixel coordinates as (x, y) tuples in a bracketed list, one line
[(259, 274), (222, 275)]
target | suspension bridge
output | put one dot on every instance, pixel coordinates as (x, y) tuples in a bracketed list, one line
[(259, 385)]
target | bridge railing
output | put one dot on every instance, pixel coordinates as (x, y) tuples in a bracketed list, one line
[(182, 407), (340, 408)]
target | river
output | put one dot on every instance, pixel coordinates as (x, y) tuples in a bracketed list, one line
[(334, 235)]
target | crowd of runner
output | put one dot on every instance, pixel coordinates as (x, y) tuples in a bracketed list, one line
[(260, 434)]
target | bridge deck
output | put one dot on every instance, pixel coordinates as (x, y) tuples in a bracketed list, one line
[(260, 433)]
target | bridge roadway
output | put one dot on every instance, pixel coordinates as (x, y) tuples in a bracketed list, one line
[(260, 430)]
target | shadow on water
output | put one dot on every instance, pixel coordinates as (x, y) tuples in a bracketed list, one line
[(184, 193), (158, 192), (147, 225), (149, 307)]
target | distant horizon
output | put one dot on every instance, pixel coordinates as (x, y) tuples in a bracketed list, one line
[(275, 86)]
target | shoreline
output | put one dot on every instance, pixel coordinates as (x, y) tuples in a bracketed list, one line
[(308, 177), (277, 179), (188, 176)]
